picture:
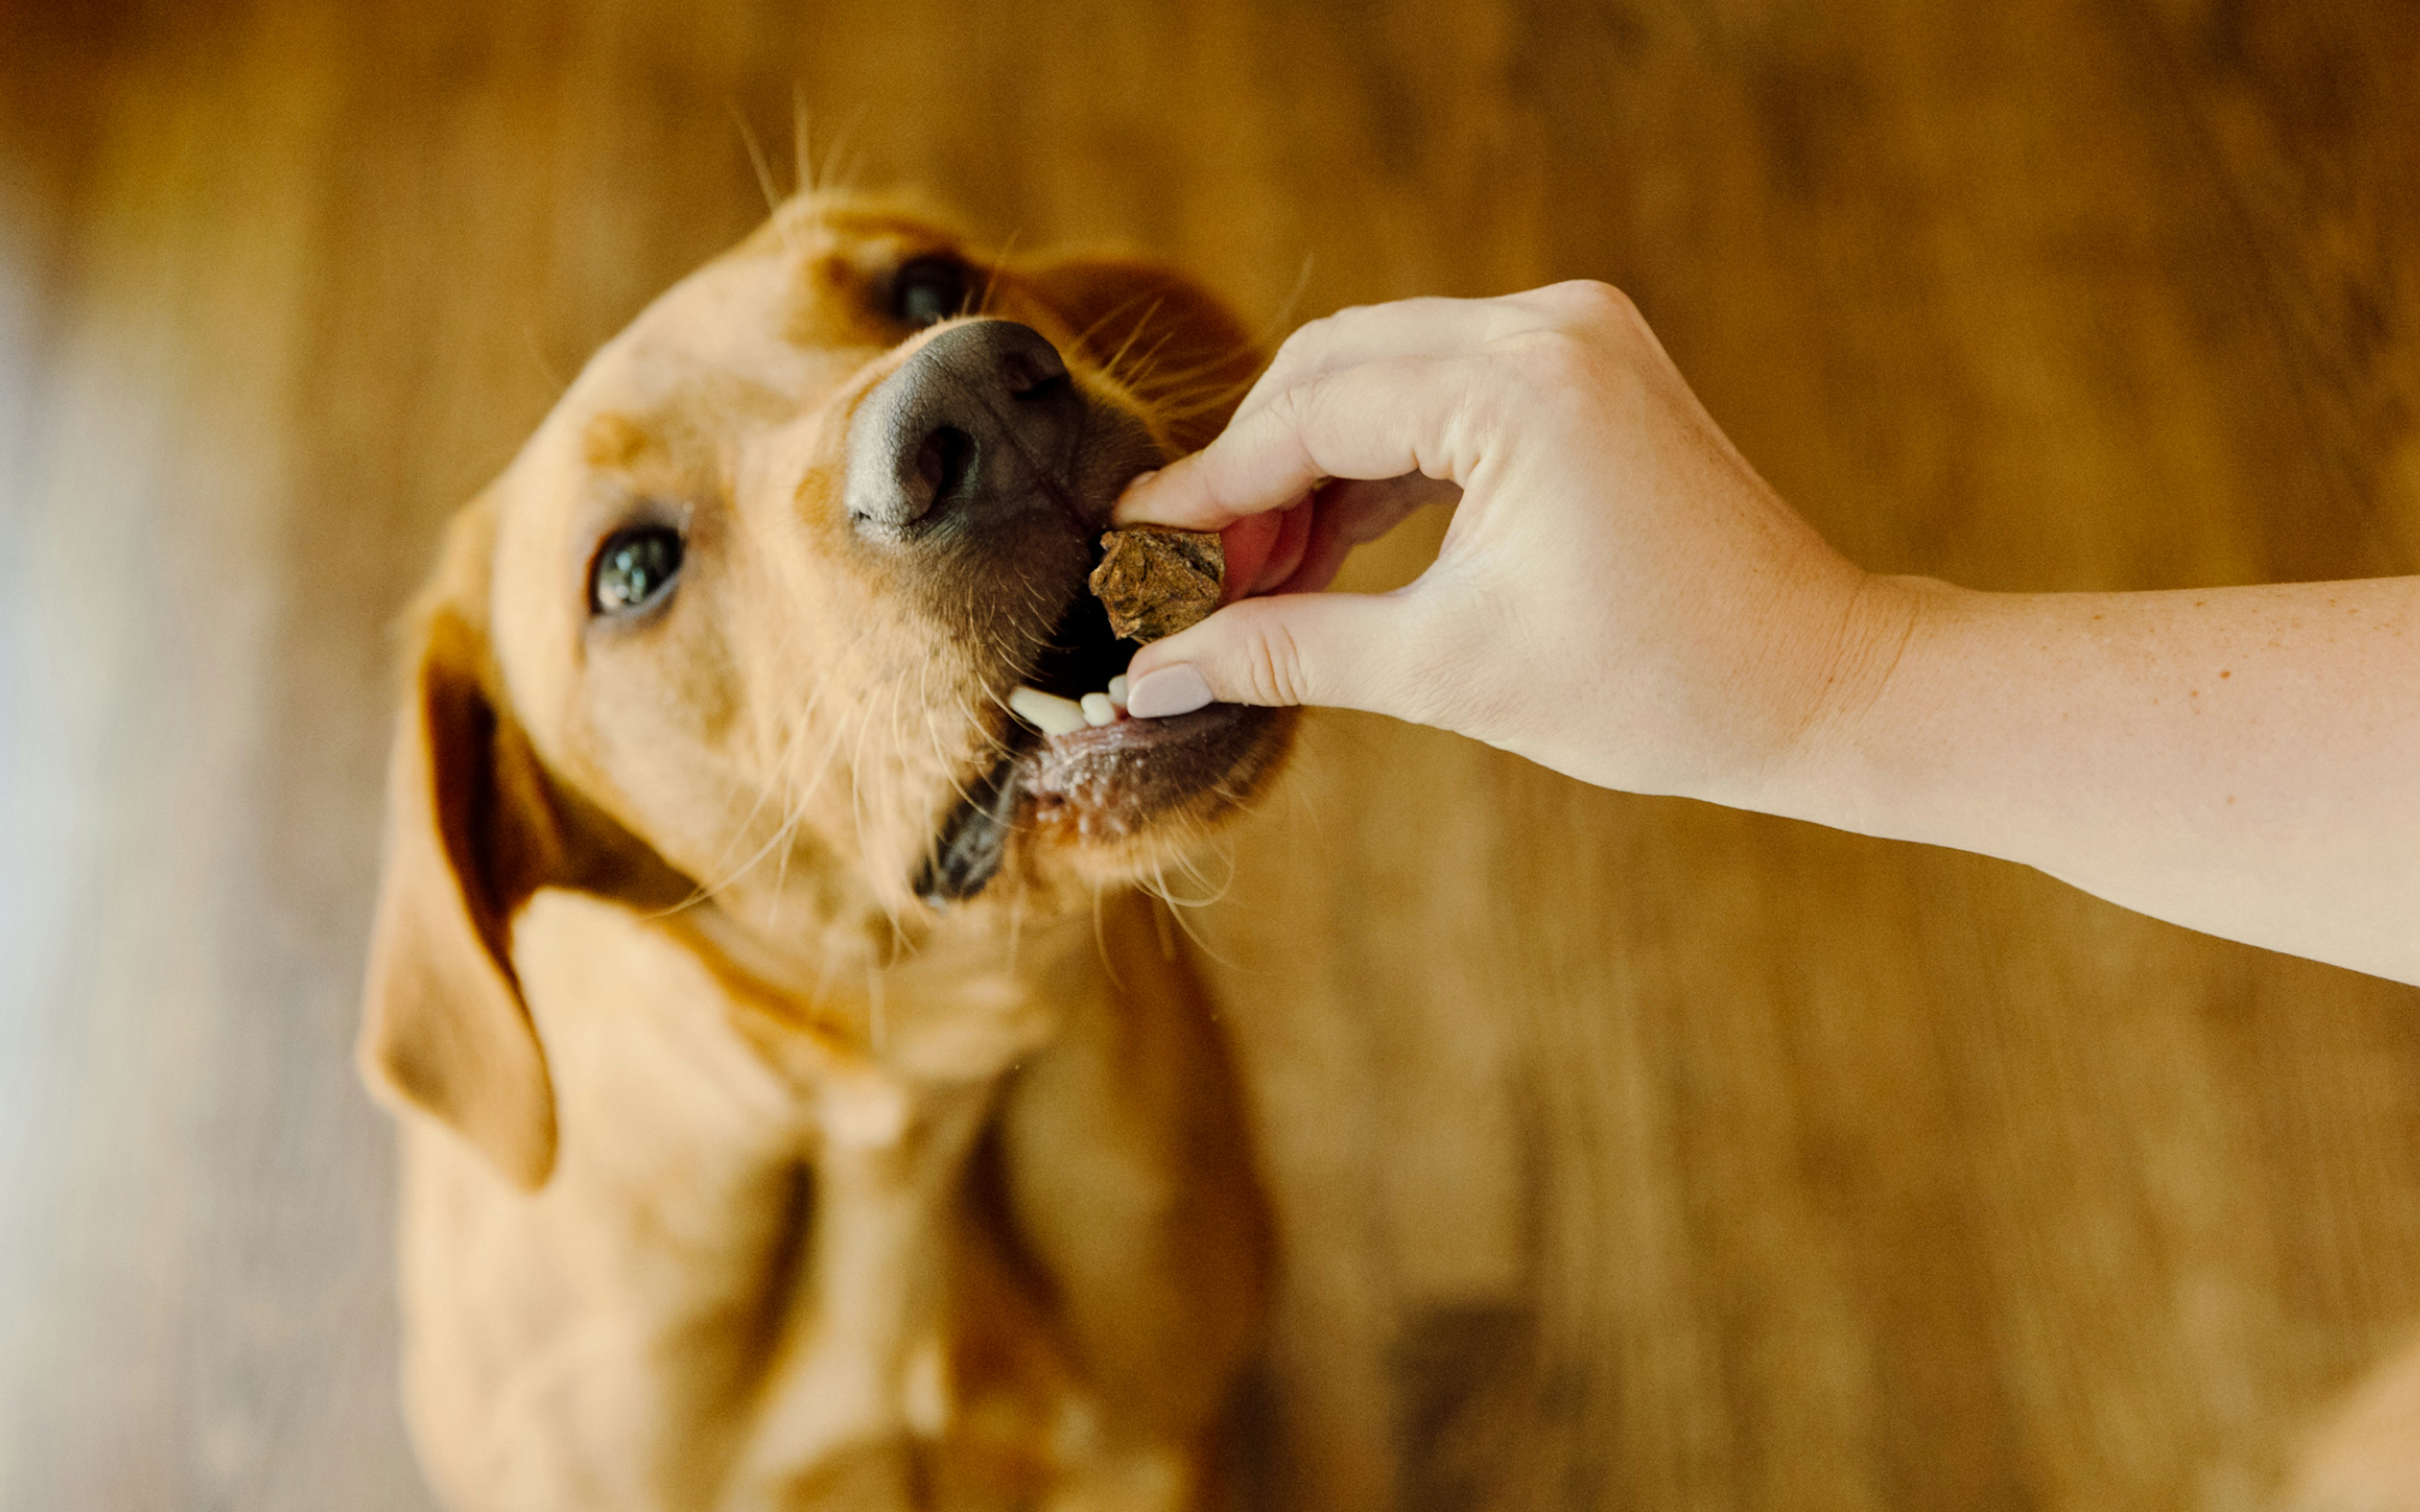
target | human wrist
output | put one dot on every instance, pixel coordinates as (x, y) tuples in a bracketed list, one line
[(1819, 765)]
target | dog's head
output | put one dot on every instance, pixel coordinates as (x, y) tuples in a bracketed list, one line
[(741, 622)]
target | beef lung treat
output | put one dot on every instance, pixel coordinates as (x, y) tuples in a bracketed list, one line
[(1156, 581)]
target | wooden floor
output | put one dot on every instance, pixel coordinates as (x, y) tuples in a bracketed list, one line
[(1630, 1153)]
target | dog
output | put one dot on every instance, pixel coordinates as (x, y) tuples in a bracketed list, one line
[(802, 1106)]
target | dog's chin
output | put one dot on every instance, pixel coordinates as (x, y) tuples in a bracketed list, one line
[(1105, 802)]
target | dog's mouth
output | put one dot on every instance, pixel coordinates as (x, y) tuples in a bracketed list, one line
[(1073, 768)]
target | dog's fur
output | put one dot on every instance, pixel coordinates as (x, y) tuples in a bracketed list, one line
[(738, 1174)]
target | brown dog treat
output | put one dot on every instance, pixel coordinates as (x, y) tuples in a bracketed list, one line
[(1157, 581)]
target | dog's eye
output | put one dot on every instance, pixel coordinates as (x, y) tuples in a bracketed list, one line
[(633, 569), (928, 291)]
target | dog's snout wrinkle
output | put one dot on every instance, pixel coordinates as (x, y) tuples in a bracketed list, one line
[(983, 419)]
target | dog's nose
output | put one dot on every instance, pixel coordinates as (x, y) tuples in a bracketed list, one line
[(983, 419)]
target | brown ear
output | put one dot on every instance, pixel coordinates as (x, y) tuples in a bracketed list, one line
[(1173, 343), (470, 832)]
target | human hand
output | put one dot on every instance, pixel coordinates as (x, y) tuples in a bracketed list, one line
[(1619, 596)]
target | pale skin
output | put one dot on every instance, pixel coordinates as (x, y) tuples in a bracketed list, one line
[(1620, 598)]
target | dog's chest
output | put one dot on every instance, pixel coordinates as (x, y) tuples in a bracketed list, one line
[(775, 1238)]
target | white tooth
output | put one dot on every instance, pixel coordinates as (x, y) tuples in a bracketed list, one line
[(1046, 712), (1099, 710), (1118, 690)]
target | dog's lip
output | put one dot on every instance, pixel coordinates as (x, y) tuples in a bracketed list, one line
[(1101, 784), (1137, 736), (1086, 767), (1110, 782)]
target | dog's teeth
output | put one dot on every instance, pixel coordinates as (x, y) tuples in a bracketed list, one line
[(1046, 712), (1099, 710), (1118, 690)]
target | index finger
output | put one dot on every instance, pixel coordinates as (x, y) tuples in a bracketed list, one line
[(1425, 326), (1372, 422)]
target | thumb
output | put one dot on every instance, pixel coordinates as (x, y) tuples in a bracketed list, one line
[(1349, 651)]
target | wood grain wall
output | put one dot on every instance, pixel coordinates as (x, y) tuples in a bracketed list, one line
[(1630, 1153)]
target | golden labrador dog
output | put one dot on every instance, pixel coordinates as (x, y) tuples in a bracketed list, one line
[(802, 1106)]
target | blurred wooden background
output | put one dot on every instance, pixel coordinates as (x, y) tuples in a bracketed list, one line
[(1629, 1154)]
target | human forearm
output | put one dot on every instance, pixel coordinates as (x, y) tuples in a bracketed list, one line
[(1622, 598), (2245, 760)]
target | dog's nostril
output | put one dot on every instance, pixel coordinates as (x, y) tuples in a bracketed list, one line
[(1032, 374), (1050, 388), (944, 462)]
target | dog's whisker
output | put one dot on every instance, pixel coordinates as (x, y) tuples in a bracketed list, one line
[(1140, 371), (991, 275), (764, 177), (763, 792), (793, 811), (797, 798), (785, 842), (857, 795), (792, 729), (792, 818), (1202, 947), (784, 831), (996, 746), (802, 161), (1175, 396), (948, 768), (841, 164), (894, 767), (537, 355), (941, 757), (1101, 321), (1101, 941), (1142, 323), (1213, 895), (1282, 316), (1181, 393)]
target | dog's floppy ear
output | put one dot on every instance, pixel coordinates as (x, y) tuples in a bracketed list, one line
[(1173, 343), (471, 830)]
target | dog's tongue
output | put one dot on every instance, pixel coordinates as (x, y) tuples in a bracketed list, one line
[(974, 840)]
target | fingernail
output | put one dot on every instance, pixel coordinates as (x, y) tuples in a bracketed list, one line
[(1170, 690), (1138, 480)]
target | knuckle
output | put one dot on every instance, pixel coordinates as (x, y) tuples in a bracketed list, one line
[(1290, 408), (1483, 404), (1555, 361), (1295, 409), (1308, 336), (1274, 668), (1295, 352), (1592, 299)]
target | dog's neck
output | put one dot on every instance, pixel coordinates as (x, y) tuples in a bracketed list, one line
[(965, 998)]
